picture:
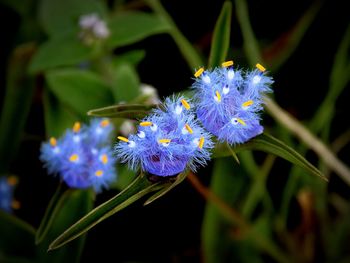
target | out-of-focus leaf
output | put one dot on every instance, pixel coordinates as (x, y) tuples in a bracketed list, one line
[(227, 183), (165, 189), (221, 37), (79, 90), (133, 57), (17, 100), (126, 86), (139, 188), (269, 144), (57, 117), (16, 238), (130, 111), (77, 203), (63, 50), (56, 16), (52, 209), (129, 27), (279, 51)]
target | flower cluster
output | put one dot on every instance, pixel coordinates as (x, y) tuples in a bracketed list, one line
[(82, 157), (93, 29), (228, 101), (168, 141), (7, 187)]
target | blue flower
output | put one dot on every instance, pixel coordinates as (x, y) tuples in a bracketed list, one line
[(168, 141), (81, 156), (228, 101), (7, 187)]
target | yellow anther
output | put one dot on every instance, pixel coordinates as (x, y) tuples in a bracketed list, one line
[(53, 141), (227, 63), (247, 103), (201, 143), (73, 158), (76, 127), (260, 67), (99, 173), (104, 123), (123, 139), (15, 204), (188, 128), (145, 123), (241, 121), (199, 72), (218, 96), (104, 158), (185, 104), (12, 180), (164, 140)]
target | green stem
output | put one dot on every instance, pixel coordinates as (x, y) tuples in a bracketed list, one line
[(188, 51)]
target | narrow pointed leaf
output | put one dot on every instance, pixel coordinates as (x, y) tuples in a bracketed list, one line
[(269, 144), (167, 188), (131, 111), (221, 37), (139, 188), (54, 206)]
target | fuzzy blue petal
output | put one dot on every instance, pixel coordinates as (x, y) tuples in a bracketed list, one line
[(228, 102), (6, 195), (175, 123)]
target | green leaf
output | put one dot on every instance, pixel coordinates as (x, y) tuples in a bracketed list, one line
[(130, 111), (52, 209), (17, 237), (221, 36), (79, 90), (139, 188), (166, 188), (133, 57), (17, 100), (126, 86), (129, 27), (57, 117), (76, 204), (269, 144), (56, 16), (63, 50)]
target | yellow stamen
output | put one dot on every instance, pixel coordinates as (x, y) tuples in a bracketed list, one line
[(145, 123), (260, 67), (247, 103), (99, 173), (199, 72), (15, 204), (123, 139), (12, 180), (241, 121), (218, 95), (185, 104), (104, 158), (188, 128), (76, 127), (73, 158), (201, 143), (104, 123), (164, 140), (53, 141), (227, 63)]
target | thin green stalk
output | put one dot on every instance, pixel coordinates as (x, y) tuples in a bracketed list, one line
[(236, 219), (188, 51)]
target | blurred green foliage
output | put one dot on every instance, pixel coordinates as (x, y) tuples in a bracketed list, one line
[(258, 208)]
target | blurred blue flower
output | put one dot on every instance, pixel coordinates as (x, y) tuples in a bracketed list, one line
[(7, 187), (228, 101), (167, 142), (82, 157)]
